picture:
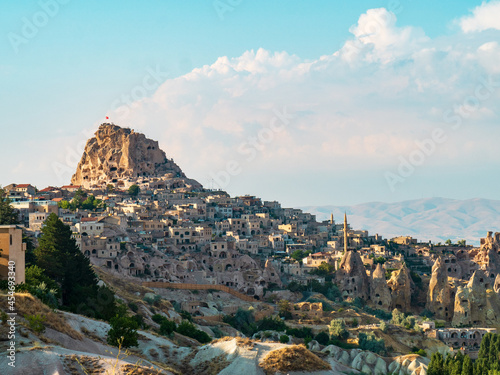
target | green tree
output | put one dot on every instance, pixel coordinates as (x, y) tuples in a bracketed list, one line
[(29, 256), (8, 215), (324, 269), (285, 309), (322, 338), (337, 329), (383, 326), (167, 327), (188, 329), (298, 255), (134, 190), (371, 343), (123, 330), (65, 205), (397, 317), (284, 339), (467, 368), (78, 199), (63, 262), (436, 365), (271, 324)]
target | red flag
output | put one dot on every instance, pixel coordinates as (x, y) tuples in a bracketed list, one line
[(107, 118)]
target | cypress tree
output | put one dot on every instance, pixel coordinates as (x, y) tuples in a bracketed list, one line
[(467, 368), (63, 262)]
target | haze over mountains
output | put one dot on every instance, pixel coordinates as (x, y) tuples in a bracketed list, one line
[(435, 219)]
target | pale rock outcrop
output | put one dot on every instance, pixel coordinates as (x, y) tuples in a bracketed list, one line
[(122, 157), (477, 303), (496, 284), (352, 278), (371, 363), (439, 300), (380, 294), (488, 257), (400, 285)]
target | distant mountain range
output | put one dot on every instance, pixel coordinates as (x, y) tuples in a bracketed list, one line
[(436, 219)]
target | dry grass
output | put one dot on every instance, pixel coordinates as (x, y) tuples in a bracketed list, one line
[(83, 364), (241, 342), (292, 358), (26, 304), (212, 367), (138, 370), (244, 343), (222, 339)]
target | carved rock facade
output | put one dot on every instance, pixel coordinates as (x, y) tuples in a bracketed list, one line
[(122, 157)]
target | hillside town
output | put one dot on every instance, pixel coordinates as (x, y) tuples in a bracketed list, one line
[(136, 216)]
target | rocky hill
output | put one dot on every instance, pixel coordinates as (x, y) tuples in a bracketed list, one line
[(122, 157)]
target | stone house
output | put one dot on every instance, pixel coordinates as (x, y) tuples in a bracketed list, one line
[(12, 252)]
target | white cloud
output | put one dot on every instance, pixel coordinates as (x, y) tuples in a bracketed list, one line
[(379, 39), (358, 109), (485, 16)]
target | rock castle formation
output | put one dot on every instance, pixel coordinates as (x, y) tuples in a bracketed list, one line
[(122, 157)]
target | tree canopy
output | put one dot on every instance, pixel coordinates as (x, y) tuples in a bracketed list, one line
[(62, 261), (8, 215), (488, 361), (134, 190)]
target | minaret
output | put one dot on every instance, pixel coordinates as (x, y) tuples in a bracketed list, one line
[(345, 232), (331, 218)]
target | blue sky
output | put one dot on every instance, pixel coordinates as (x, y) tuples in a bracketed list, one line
[(58, 85)]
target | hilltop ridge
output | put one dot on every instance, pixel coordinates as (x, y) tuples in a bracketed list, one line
[(122, 157)]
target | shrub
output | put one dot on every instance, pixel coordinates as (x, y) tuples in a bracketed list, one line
[(186, 315), (4, 317), (284, 339), (123, 330), (167, 327), (427, 313), (272, 324), (383, 326), (133, 307), (152, 300), (36, 322), (243, 321), (322, 338), (337, 329), (140, 321), (371, 343), (307, 340), (188, 329), (300, 333), (420, 352), (157, 318)]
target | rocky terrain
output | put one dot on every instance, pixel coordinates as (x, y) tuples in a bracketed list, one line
[(122, 157)]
